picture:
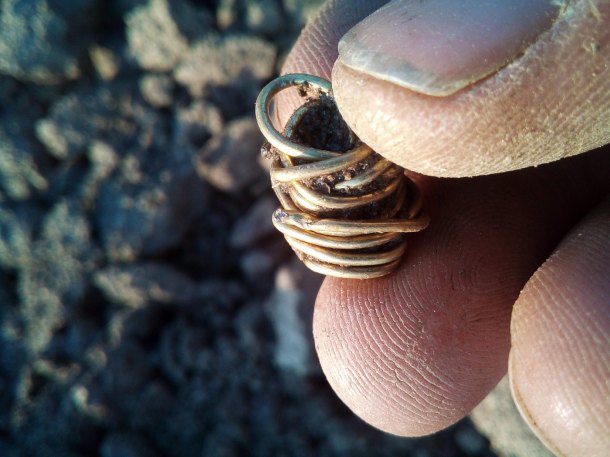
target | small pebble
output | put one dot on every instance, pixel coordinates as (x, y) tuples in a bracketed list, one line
[(154, 38), (105, 62), (229, 161), (157, 90), (290, 309)]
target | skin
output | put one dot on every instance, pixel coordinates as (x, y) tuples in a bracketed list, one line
[(512, 262)]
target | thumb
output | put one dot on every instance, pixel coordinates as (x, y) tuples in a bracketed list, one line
[(476, 87)]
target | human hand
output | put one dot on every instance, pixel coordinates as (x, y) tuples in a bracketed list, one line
[(518, 84)]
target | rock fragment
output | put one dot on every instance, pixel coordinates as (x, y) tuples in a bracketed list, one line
[(148, 218), (137, 284), (157, 90), (230, 161), (194, 125), (20, 174), (15, 238), (103, 159), (105, 62), (54, 279), (227, 13), (35, 43), (264, 16), (193, 20), (302, 10), (233, 60), (111, 113), (290, 309), (154, 38)]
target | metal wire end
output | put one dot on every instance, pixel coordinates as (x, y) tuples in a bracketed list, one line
[(345, 210)]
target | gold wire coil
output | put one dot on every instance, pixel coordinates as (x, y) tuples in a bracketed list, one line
[(344, 213)]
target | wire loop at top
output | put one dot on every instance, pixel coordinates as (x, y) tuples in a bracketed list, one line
[(263, 102)]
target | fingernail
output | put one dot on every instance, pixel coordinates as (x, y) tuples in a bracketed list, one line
[(522, 408), (438, 47)]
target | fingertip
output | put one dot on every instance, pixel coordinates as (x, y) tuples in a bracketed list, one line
[(560, 357), (552, 102), (413, 352)]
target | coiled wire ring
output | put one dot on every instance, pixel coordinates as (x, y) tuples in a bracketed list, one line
[(344, 212)]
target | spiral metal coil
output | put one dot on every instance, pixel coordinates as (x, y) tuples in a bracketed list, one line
[(344, 213)]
